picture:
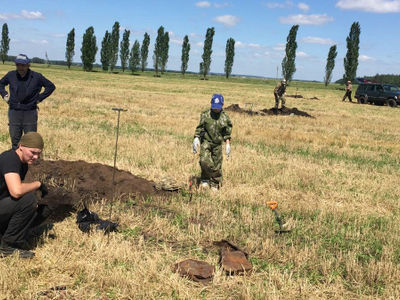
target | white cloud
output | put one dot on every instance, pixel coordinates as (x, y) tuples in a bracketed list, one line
[(59, 35), (317, 40), (274, 5), (279, 47), (227, 20), (286, 4), (199, 44), (239, 44), (30, 15), (203, 4), (302, 6), (5, 17), (176, 41), (374, 6), (266, 53), (195, 35), (366, 58), (301, 54), (306, 19), (40, 42), (221, 5)]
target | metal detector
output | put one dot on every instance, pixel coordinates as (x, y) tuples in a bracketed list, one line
[(115, 162), (273, 206)]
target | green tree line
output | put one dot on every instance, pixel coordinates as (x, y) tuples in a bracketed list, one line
[(136, 57)]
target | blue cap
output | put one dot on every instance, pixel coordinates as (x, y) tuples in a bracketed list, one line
[(217, 101), (22, 59)]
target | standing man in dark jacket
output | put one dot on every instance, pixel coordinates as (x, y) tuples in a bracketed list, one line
[(25, 86)]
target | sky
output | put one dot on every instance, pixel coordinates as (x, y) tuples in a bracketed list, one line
[(259, 28)]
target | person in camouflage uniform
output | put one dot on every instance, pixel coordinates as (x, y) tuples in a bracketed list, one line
[(214, 128), (279, 93)]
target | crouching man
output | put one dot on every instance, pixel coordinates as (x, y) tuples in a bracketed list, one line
[(215, 127), (18, 203)]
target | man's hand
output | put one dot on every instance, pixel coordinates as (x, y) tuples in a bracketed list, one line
[(43, 189), (196, 144), (228, 149), (6, 98)]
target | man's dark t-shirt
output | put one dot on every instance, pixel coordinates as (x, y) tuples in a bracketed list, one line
[(10, 163)]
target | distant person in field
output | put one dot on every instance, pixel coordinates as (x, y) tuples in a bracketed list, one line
[(348, 91), (20, 218), (214, 129), (279, 93), (25, 94)]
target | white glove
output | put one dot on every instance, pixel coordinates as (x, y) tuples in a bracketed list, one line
[(6, 98), (228, 149), (196, 144)]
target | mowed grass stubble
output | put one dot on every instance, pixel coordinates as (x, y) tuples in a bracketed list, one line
[(335, 177)]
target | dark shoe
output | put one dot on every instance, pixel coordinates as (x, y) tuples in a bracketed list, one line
[(6, 250)]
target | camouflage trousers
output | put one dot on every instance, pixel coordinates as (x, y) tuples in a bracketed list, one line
[(211, 163), (277, 98)]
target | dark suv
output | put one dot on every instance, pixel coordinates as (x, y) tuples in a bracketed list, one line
[(379, 94)]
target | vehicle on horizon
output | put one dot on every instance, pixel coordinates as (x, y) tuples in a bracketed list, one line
[(378, 94)]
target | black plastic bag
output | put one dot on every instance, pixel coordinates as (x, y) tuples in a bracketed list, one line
[(86, 218)]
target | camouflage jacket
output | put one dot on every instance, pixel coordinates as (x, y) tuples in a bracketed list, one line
[(280, 89), (214, 127)]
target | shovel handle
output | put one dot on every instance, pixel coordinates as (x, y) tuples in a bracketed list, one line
[(272, 204)]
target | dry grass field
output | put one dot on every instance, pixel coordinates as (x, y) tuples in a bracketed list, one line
[(335, 177)]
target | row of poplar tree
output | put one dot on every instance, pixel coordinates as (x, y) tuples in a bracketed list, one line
[(350, 60), (136, 57)]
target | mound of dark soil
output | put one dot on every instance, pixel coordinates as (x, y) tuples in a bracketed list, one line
[(294, 96), (268, 112), (300, 96), (71, 183)]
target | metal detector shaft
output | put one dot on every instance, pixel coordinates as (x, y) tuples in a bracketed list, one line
[(115, 161), (278, 219)]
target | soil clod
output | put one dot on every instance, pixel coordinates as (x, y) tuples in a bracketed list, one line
[(233, 260), (195, 270)]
